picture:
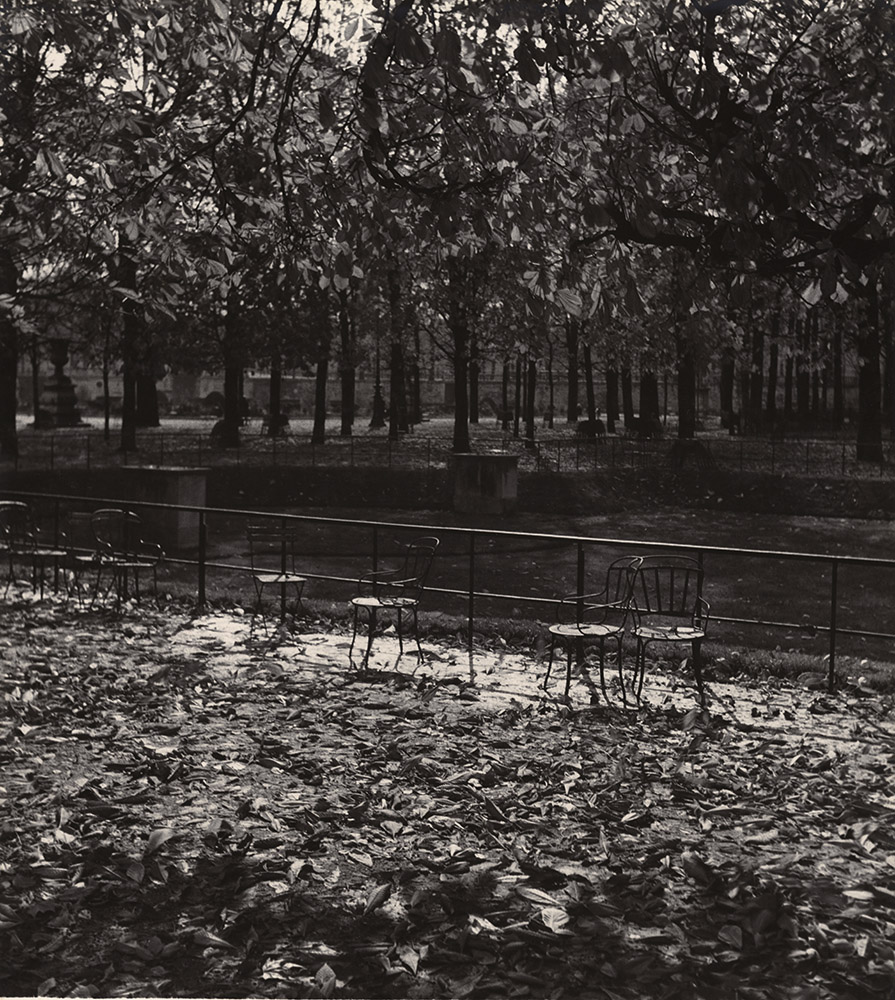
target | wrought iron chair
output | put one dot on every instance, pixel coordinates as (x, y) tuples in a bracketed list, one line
[(273, 555), (23, 542), (398, 590), (124, 552), (83, 554), (595, 619), (668, 606)]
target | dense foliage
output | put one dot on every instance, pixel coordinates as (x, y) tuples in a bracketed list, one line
[(238, 183)]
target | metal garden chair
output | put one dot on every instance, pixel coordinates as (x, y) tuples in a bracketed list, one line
[(23, 542), (397, 590), (274, 558), (668, 606), (83, 555), (595, 620), (123, 552)]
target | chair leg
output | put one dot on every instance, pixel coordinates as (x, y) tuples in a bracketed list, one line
[(619, 663), (697, 670), (602, 654), (568, 671), (640, 672), (549, 663), (400, 634), (353, 637), (416, 634), (371, 626)]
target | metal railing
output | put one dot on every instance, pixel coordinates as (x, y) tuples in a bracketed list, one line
[(471, 548)]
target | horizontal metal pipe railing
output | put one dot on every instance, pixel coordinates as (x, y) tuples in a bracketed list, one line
[(470, 534)]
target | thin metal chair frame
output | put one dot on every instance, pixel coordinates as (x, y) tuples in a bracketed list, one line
[(278, 542), (124, 552), (21, 539), (668, 606), (399, 590), (595, 619), (82, 553)]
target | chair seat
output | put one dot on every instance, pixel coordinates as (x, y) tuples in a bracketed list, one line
[(585, 631), (274, 578), (384, 602), (669, 633)]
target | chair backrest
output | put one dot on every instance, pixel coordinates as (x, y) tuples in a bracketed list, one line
[(272, 545), (620, 577), (16, 524), (667, 585), (79, 534), (117, 532), (418, 556)]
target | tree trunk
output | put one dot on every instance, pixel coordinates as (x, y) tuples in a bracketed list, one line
[(773, 362), (887, 315), (590, 395), (347, 370), (803, 372), (130, 322), (627, 396), (517, 398), (550, 386), (505, 396), (318, 432), (397, 396), (686, 391), (725, 390), (611, 399), (573, 330), (274, 415), (460, 355), (233, 359), (9, 359), (649, 397), (530, 402), (838, 391), (870, 432), (146, 412), (756, 375), (474, 381), (35, 380), (107, 400)]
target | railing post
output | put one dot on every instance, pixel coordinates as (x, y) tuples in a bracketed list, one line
[(87, 450), (831, 670), (579, 606), (161, 449), (471, 607), (375, 548), (203, 544)]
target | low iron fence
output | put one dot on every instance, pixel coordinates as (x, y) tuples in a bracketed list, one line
[(836, 458), (818, 599)]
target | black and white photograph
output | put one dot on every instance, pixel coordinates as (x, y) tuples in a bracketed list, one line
[(447, 499)]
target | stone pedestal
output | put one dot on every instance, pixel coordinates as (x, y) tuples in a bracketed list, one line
[(57, 405), (174, 530), (486, 483)]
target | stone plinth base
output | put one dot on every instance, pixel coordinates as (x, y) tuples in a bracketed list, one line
[(174, 530), (486, 484)]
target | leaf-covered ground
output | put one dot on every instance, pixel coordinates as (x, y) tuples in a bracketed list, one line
[(193, 809)]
